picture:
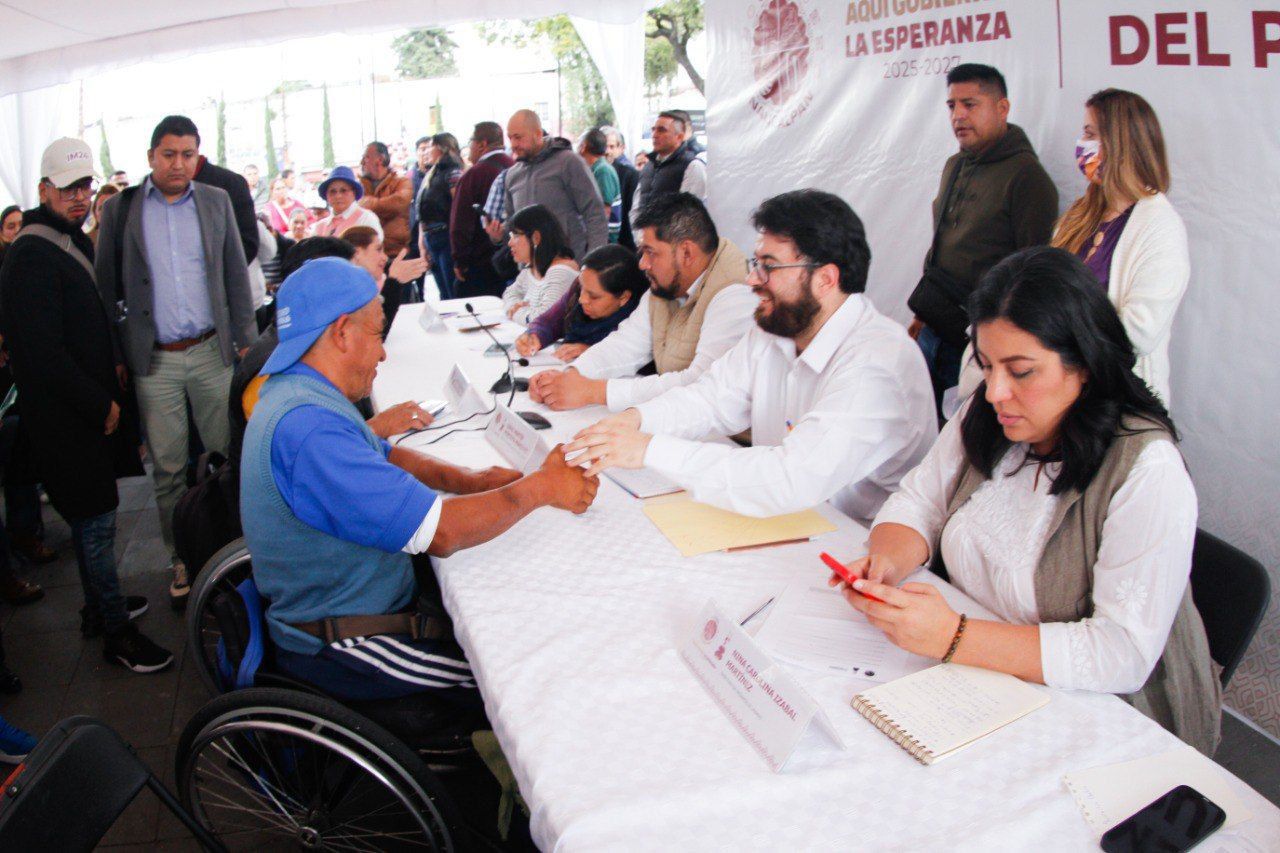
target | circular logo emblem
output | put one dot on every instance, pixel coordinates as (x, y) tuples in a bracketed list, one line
[(783, 41), (709, 630)]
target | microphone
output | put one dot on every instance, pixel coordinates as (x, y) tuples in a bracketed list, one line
[(508, 382)]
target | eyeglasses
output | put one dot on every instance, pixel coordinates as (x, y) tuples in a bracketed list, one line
[(85, 189), (762, 270)]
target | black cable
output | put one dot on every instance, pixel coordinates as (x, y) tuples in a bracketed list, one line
[(433, 427)]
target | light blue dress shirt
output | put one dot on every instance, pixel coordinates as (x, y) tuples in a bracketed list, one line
[(175, 257)]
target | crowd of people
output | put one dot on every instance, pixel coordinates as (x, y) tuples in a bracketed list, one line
[(1015, 435)]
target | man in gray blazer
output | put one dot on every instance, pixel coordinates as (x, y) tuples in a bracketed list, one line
[(171, 269)]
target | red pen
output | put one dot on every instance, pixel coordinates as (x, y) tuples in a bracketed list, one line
[(843, 573)]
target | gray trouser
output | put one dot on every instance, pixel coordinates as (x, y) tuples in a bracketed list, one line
[(196, 374)]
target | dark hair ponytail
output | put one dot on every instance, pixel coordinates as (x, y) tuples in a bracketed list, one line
[(1050, 293)]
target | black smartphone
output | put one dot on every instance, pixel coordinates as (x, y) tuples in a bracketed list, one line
[(1178, 821)]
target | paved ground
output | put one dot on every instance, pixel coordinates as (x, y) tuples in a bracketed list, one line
[(65, 674)]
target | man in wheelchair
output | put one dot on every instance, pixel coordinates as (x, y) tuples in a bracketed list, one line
[(332, 513)]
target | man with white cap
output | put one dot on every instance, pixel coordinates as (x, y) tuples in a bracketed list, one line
[(59, 340), (332, 513)]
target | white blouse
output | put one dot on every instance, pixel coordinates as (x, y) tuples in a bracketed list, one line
[(993, 543), (540, 293)]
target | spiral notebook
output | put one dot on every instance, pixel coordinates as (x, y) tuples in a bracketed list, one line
[(936, 712)]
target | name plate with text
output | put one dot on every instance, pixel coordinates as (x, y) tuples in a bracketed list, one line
[(764, 703), (518, 442), (430, 319), (463, 397)]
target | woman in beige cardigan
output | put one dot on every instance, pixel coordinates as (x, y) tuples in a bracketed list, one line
[(1125, 230), (1058, 501)]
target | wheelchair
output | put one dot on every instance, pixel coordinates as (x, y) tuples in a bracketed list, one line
[(273, 762)]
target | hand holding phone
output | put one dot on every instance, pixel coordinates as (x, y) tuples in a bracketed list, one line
[(845, 575)]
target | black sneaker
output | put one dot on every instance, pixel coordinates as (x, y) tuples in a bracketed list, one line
[(132, 650), (91, 621)]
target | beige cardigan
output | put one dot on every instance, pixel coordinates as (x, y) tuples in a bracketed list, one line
[(1149, 273)]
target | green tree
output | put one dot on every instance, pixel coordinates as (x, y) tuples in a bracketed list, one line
[(437, 116), (273, 167), (425, 53), (327, 131), (104, 151), (668, 30), (222, 131), (588, 97)]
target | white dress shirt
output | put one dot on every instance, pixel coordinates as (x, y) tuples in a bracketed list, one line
[(994, 542), (842, 421), (630, 347)]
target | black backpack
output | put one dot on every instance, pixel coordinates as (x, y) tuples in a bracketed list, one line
[(207, 516)]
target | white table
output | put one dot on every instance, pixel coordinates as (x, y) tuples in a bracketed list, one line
[(571, 625)]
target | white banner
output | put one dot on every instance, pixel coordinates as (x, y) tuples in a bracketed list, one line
[(849, 97)]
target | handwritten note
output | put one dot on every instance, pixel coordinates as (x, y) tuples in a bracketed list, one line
[(697, 528)]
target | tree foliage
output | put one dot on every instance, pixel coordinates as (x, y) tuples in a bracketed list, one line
[(425, 53), (669, 29), (221, 122), (104, 151), (587, 96), (273, 167), (326, 131)]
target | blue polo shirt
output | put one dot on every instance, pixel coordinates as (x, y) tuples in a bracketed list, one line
[(336, 483)]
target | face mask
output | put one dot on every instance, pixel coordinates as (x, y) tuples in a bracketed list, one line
[(1088, 157)]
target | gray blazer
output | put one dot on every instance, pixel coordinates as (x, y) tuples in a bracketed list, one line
[(128, 279)]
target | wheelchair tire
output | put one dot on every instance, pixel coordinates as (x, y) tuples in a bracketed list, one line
[(279, 768), (224, 570)]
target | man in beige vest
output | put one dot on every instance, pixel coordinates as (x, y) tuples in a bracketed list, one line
[(836, 395), (696, 309)]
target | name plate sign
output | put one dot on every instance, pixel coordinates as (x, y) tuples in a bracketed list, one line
[(463, 397), (764, 703), (518, 442), (430, 319)]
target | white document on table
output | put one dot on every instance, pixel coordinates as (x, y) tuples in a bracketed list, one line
[(642, 482), (544, 358), (811, 625), (1113, 792)]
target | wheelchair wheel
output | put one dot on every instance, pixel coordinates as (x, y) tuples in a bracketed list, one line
[(205, 631), (269, 768)]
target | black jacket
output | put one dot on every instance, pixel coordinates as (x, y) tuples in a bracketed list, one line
[(59, 341), (628, 180), (241, 203)]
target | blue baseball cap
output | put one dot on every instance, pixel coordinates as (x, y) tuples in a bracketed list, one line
[(319, 292)]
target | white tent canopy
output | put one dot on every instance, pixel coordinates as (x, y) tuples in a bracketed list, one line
[(48, 44)]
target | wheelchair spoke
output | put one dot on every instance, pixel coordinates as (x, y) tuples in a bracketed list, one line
[(267, 787)]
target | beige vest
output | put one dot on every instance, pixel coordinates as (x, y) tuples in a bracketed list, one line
[(676, 329), (1182, 693)]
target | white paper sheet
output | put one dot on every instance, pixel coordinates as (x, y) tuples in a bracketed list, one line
[(811, 625), (642, 482)]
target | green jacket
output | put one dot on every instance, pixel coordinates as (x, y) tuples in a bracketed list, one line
[(1002, 200)]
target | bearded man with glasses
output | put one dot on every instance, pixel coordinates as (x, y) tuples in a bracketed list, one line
[(837, 397)]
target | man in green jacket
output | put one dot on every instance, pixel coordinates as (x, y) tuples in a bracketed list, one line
[(994, 199)]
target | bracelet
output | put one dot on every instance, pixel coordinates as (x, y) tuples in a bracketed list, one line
[(955, 641)]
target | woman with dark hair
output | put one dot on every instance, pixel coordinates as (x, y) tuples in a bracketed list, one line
[(547, 267), (1058, 501), (10, 225), (105, 192), (606, 292), (434, 201)]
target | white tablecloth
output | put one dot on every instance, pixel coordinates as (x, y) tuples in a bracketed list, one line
[(572, 623)]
